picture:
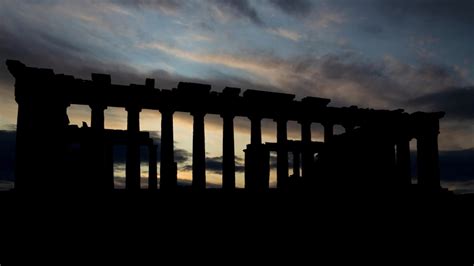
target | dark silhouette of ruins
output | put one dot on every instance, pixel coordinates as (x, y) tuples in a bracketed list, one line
[(372, 153)]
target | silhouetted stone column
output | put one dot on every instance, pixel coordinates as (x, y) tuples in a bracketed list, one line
[(97, 116), (41, 129), (152, 171), (282, 153), (306, 154), (132, 169), (328, 131), (99, 166), (199, 151), (255, 130), (23, 144), (403, 162), (228, 152), (428, 160), (296, 163), (168, 178)]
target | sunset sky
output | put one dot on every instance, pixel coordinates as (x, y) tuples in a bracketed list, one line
[(414, 54)]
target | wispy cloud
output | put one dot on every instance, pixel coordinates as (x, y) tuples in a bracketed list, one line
[(284, 33), (263, 67), (324, 18), (235, 9), (195, 37)]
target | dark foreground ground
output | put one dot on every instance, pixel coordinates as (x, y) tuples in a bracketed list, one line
[(231, 227), (239, 202)]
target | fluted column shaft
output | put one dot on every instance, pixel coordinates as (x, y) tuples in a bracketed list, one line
[(328, 132), (168, 178), (132, 178), (199, 151), (228, 152), (306, 154), (255, 130), (428, 160)]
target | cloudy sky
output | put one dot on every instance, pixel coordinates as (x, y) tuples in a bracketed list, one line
[(414, 54)]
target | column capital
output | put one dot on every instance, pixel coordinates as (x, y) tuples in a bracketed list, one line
[(198, 113), (227, 114), (98, 106), (281, 118), (167, 110), (431, 130), (426, 123), (304, 121), (255, 117), (133, 108), (255, 129)]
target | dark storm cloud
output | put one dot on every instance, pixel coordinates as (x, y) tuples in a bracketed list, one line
[(239, 9), (163, 5), (214, 164), (457, 165), (372, 29), (386, 83), (181, 156), (46, 50), (337, 67), (428, 10), (293, 7), (42, 49), (458, 103), (51, 50)]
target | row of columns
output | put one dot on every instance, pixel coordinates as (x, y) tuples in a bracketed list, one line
[(103, 152), (427, 161), (168, 169), (282, 152), (427, 151)]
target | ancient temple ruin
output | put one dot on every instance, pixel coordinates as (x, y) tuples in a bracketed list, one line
[(373, 151)]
